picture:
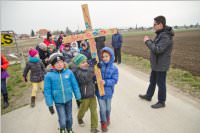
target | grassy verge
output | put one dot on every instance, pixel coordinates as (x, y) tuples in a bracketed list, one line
[(176, 77), (16, 89)]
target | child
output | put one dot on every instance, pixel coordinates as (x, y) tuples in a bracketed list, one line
[(49, 39), (67, 53), (4, 76), (110, 77), (37, 69), (74, 48), (85, 50), (84, 75), (59, 84), (43, 54)]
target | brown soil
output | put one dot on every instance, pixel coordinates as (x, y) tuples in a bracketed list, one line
[(185, 55)]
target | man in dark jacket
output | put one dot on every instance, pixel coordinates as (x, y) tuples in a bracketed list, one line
[(117, 44), (100, 43), (161, 48)]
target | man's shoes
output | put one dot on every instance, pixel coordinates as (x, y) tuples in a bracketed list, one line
[(144, 97), (81, 123), (158, 105)]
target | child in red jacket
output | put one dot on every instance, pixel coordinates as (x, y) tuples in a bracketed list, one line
[(4, 75)]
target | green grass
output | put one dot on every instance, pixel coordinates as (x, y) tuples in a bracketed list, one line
[(181, 79), (15, 87)]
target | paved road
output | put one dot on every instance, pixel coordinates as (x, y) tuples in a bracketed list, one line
[(129, 113)]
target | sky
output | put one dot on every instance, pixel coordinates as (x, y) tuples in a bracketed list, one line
[(23, 16)]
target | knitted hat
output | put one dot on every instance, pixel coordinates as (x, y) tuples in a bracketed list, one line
[(55, 57), (32, 52), (78, 59), (42, 46)]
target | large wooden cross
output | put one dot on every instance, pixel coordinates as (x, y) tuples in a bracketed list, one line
[(90, 34)]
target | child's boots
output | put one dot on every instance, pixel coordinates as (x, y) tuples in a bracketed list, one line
[(5, 98), (33, 101), (104, 127)]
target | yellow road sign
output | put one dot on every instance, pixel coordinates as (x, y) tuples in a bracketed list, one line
[(7, 39)]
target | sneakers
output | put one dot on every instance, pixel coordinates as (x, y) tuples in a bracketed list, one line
[(81, 123), (158, 105), (104, 127), (62, 131), (144, 97), (70, 131), (94, 130)]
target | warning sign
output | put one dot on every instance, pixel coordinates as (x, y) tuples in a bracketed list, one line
[(7, 39)]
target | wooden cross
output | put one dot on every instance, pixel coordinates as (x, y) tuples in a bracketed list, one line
[(90, 35)]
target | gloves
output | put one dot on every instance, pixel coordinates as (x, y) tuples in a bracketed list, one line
[(25, 79), (78, 103), (99, 65), (51, 110), (94, 61)]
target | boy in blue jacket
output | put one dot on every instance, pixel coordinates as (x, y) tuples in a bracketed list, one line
[(110, 77), (59, 84)]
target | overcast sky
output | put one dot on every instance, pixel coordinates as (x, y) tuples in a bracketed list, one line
[(23, 16)]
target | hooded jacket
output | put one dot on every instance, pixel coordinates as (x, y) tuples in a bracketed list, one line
[(59, 86), (161, 48), (109, 74), (37, 69)]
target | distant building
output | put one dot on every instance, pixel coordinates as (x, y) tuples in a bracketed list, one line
[(42, 33), (24, 36)]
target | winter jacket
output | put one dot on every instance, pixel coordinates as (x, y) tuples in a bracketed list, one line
[(37, 69), (48, 42), (59, 85), (100, 43), (161, 48), (43, 55), (85, 81), (109, 74), (4, 66), (117, 40)]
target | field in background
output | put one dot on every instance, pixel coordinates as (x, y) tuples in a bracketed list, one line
[(185, 54)]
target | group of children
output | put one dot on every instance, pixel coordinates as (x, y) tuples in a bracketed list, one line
[(60, 82)]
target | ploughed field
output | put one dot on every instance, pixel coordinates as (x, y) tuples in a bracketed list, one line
[(185, 54)]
